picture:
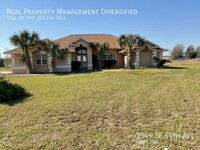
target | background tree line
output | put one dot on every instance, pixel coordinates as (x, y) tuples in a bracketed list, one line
[(190, 52)]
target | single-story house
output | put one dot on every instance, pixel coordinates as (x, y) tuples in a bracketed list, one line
[(79, 50)]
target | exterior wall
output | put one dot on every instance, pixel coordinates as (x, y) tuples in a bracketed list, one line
[(146, 59), (119, 58), (17, 66), (73, 57), (59, 62), (19, 70), (64, 66), (61, 66), (41, 69), (158, 55)]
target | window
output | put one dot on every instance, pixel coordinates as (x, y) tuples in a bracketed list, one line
[(41, 58), (108, 56)]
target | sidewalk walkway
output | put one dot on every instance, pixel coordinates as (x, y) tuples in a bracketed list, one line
[(5, 73)]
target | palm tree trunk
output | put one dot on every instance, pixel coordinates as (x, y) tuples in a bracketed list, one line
[(53, 65), (130, 58), (28, 63)]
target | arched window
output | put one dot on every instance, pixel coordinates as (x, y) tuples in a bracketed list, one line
[(108, 56), (41, 58)]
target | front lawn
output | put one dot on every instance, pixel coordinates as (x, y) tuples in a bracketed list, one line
[(112, 109), (5, 69)]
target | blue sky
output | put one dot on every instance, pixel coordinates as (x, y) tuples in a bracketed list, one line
[(165, 22)]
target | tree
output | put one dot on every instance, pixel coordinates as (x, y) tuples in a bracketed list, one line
[(100, 48), (190, 52), (1, 62), (53, 48), (177, 51), (198, 52), (130, 41), (25, 40)]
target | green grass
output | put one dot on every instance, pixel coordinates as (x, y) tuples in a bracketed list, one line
[(7, 69), (113, 109)]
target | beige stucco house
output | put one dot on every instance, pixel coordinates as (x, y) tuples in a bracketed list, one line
[(78, 45)]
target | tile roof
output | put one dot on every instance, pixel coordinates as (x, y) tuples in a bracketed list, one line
[(18, 50), (65, 41), (13, 51), (111, 39)]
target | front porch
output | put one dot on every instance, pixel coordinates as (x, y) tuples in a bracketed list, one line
[(143, 56)]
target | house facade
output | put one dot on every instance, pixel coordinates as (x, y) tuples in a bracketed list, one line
[(79, 50)]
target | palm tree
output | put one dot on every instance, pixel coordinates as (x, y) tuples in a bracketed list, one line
[(53, 48), (100, 48), (130, 41), (25, 40)]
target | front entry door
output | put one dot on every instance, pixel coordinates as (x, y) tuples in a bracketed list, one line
[(83, 60)]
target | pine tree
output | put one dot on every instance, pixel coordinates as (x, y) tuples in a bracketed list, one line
[(190, 52)]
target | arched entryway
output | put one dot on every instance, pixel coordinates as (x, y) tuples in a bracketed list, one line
[(146, 57), (81, 55)]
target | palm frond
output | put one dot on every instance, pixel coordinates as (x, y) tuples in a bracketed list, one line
[(15, 40), (122, 40), (22, 58), (99, 47), (61, 54)]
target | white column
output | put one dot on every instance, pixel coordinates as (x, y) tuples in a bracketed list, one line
[(13, 60), (137, 62), (89, 59), (126, 61), (49, 62), (154, 54)]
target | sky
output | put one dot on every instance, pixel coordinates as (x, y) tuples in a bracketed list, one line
[(164, 22)]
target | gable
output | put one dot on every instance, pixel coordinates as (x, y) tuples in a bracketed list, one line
[(80, 40), (101, 38)]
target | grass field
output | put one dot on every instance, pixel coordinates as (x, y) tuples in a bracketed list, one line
[(113, 109), (5, 69)]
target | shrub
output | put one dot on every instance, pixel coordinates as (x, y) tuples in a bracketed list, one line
[(9, 91), (76, 65), (107, 64), (1, 63), (95, 61), (159, 62)]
